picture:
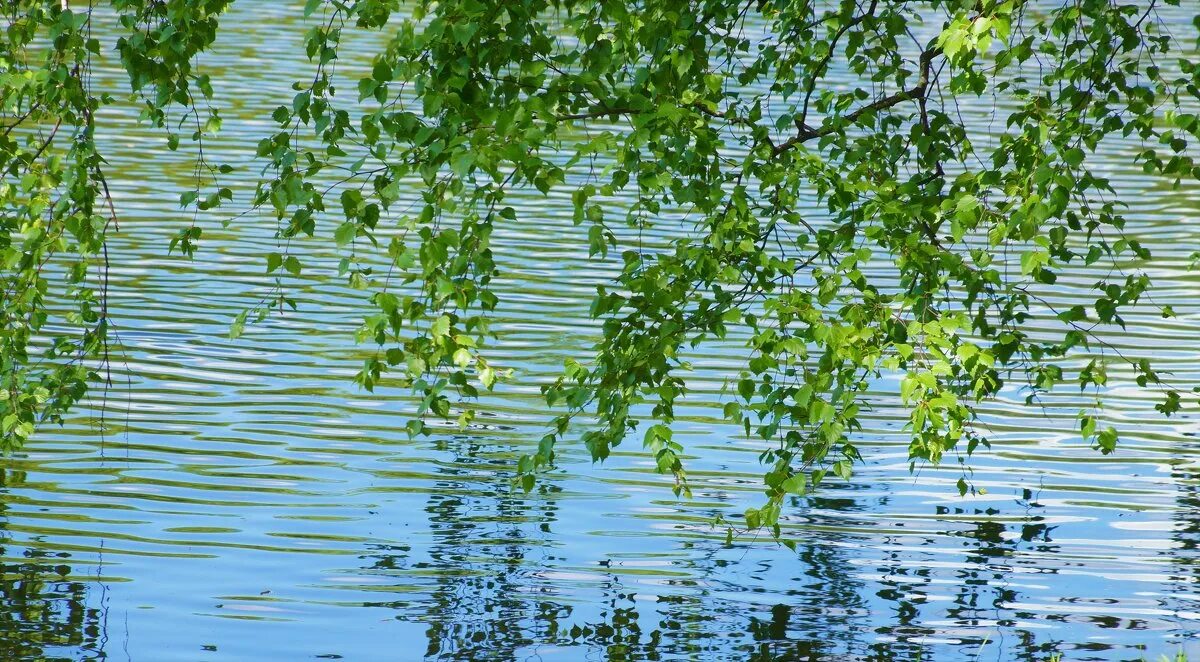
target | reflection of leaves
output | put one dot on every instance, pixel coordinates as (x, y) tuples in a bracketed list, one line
[(387, 557), (45, 616)]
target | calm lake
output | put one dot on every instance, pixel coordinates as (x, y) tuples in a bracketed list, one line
[(241, 500)]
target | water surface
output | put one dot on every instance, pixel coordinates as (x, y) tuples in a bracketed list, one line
[(242, 501)]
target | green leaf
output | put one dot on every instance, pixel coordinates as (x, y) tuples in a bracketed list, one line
[(345, 233), (462, 357), (753, 518), (795, 485), (1033, 260), (487, 377), (238, 326), (1107, 440), (440, 327)]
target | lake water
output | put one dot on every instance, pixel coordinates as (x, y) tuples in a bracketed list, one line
[(243, 501)]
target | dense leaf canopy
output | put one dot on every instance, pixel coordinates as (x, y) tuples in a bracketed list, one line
[(844, 215)]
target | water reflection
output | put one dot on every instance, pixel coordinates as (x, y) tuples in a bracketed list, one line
[(1183, 596), (490, 582), (485, 544), (45, 610)]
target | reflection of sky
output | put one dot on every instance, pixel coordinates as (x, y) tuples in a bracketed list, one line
[(260, 507)]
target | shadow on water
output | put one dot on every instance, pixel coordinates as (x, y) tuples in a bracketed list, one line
[(45, 610)]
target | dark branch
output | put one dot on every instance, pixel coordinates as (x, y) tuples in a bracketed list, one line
[(917, 92)]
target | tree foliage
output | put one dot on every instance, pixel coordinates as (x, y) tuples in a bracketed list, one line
[(851, 231)]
